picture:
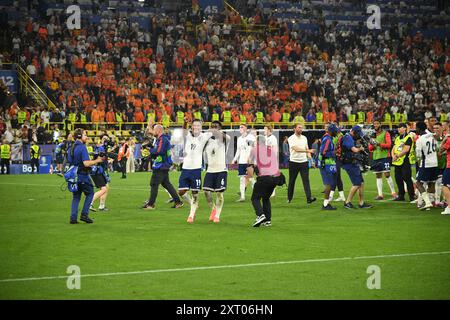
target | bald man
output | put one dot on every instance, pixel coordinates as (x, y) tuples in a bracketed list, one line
[(162, 161)]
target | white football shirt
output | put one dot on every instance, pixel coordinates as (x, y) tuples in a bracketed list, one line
[(193, 150), (244, 148), (216, 154), (426, 151)]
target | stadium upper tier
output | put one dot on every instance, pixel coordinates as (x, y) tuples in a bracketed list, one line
[(223, 68)]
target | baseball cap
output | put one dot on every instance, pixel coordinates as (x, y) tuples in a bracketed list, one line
[(357, 130), (333, 128)]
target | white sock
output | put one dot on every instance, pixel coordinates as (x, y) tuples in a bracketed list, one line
[(438, 189), (391, 184), (242, 187), (102, 204), (331, 196), (187, 197), (325, 202), (426, 198), (380, 186), (194, 205), (252, 181), (341, 194), (219, 204), (431, 196), (273, 193)]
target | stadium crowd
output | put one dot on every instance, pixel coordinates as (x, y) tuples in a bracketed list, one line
[(118, 72)]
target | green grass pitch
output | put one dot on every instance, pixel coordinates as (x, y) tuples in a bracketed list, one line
[(133, 254)]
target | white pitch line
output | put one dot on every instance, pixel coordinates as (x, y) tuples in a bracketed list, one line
[(262, 264)]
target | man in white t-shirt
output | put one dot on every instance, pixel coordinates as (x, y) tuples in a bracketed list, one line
[(300, 154)]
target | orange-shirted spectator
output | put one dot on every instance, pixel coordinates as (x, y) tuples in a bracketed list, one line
[(110, 116), (48, 72), (139, 116), (95, 116), (276, 116)]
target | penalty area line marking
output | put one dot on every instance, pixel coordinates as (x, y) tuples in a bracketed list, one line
[(249, 265)]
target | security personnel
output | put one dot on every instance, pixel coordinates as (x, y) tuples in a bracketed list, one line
[(21, 116), (352, 168), (442, 117), (361, 117), (35, 152), (198, 115), (78, 156), (166, 120), (319, 117), (327, 164), (397, 117), (387, 118), (119, 118), (401, 162), (226, 116), (83, 117), (352, 119), (72, 119), (151, 115), (243, 119), (259, 117), (180, 117), (33, 118), (286, 117), (5, 155), (215, 116)]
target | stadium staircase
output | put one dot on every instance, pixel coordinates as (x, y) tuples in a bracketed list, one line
[(29, 88)]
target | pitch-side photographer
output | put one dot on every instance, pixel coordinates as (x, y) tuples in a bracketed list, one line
[(352, 166)]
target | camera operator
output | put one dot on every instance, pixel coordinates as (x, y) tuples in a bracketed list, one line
[(162, 161), (79, 156), (100, 175), (351, 163)]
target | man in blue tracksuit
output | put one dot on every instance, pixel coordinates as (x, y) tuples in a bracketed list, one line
[(79, 156), (162, 161)]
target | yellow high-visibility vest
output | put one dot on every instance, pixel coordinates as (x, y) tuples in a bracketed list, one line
[(387, 117), (83, 118), (319, 117), (259, 117), (198, 115), (227, 116), (243, 118), (215, 117), (398, 147), (151, 115), (35, 148), (119, 117), (361, 117), (21, 117), (5, 152), (286, 117), (180, 117), (166, 120)]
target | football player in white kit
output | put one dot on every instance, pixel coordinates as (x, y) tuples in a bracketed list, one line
[(426, 153), (191, 173), (216, 173), (245, 144)]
